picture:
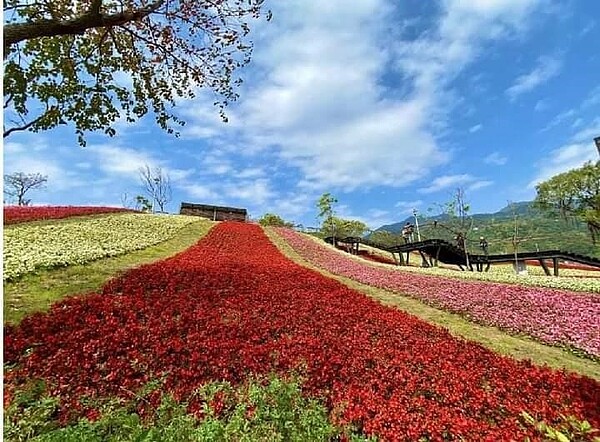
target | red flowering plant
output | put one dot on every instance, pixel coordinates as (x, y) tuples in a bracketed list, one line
[(232, 307), (20, 214)]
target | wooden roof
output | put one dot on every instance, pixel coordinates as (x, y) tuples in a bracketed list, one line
[(217, 208)]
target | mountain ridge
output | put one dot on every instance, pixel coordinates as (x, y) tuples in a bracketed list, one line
[(521, 208)]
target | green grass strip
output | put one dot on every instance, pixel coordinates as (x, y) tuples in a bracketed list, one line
[(37, 291), (518, 347)]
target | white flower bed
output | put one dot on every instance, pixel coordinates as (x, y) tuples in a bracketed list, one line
[(30, 247)]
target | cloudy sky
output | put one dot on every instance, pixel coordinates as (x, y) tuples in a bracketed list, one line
[(390, 106)]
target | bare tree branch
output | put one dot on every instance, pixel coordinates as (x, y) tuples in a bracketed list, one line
[(157, 185), (18, 184)]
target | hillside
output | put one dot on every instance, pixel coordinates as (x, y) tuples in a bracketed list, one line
[(536, 230)]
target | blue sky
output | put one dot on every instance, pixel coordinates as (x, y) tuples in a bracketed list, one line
[(387, 105)]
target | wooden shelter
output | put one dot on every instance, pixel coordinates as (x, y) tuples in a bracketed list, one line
[(216, 213)]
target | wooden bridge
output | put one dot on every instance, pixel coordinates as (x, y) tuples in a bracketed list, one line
[(433, 251)]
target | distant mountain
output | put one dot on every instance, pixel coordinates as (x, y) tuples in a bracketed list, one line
[(535, 230), (523, 208)]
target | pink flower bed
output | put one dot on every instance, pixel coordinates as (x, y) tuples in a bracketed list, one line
[(557, 317), (21, 214)]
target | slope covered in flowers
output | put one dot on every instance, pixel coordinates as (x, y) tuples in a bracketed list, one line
[(21, 214), (557, 317), (232, 306), (29, 247)]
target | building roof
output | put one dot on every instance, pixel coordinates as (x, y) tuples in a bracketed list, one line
[(210, 207)]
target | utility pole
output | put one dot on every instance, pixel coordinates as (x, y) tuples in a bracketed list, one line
[(515, 238), (597, 141), (417, 224)]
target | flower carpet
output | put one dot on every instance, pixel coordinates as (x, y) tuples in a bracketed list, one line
[(21, 214), (557, 317), (233, 306)]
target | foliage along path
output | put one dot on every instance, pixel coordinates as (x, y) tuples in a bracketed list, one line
[(233, 305), (556, 317)]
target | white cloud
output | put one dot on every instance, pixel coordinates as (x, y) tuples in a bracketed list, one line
[(587, 29), (59, 177), (117, 160), (495, 158), (475, 128), (290, 206), (589, 133), (256, 192), (547, 67), (579, 150), (447, 181), (563, 159), (454, 181), (177, 175), (592, 99), (540, 105), (559, 119), (577, 123), (251, 172), (199, 192), (479, 185), (373, 218), (338, 125), (12, 148), (408, 206), (216, 163)]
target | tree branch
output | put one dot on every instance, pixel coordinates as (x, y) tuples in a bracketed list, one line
[(15, 33), (26, 125), (20, 128)]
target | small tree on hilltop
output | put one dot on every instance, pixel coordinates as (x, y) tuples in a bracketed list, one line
[(17, 184), (143, 204), (574, 194), (325, 206), (349, 227), (157, 184), (270, 219)]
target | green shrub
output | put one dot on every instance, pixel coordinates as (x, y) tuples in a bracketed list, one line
[(267, 409)]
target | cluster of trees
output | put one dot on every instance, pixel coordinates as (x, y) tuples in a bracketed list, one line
[(331, 225), (273, 220), (334, 226)]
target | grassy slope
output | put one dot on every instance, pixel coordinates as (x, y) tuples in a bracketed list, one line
[(36, 292), (518, 347)]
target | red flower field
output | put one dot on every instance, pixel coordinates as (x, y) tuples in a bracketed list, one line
[(232, 306), (21, 214)]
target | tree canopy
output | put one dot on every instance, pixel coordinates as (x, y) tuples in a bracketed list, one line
[(93, 62), (575, 193), (271, 219), (349, 227)]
